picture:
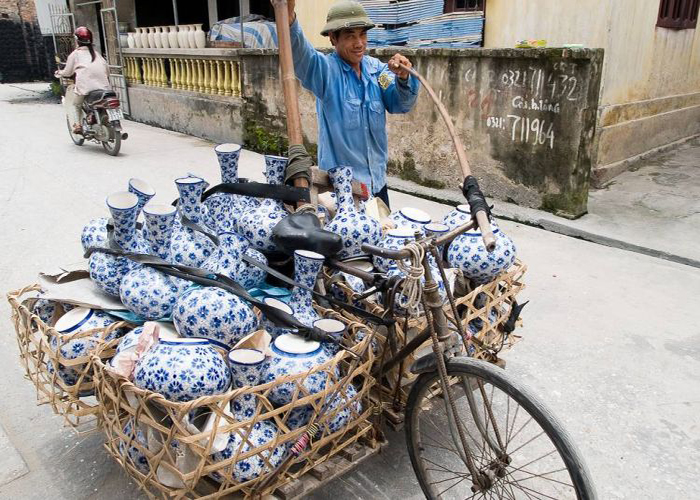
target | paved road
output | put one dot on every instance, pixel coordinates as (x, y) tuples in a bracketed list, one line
[(611, 339)]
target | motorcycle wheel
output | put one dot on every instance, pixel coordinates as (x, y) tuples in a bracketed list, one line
[(114, 144), (78, 140)]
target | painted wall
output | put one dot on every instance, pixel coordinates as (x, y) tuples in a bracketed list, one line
[(651, 76), (312, 17)]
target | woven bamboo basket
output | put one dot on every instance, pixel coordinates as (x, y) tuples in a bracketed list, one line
[(40, 351), (482, 310), (150, 438)]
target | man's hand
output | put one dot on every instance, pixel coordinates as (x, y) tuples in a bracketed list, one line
[(395, 68)]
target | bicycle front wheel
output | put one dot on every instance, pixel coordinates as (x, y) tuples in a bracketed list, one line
[(518, 449)]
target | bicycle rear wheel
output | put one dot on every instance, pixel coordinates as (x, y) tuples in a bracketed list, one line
[(519, 449)]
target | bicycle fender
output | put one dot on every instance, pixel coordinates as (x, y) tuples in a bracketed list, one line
[(424, 364)]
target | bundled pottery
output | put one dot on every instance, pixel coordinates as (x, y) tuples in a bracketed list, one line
[(160, 222), (77, 320), (143, 191), (270, 327), (108, 270), (410, 217), (307, 266), (457, 217), (246, 371), (354, 227), (436, 230), (228, 260), (395, 239), (335, 329), (187, 246), (214, 314), (131, 338), (468, 253), (183, 370), (257, 224), (294, 355), (129, 451), (226, 208), (341, 413), (48, 310), (150, 293)]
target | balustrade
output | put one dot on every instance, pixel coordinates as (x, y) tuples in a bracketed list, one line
[(194, 74)]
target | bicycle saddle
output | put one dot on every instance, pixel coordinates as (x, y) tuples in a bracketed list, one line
[(303, 231)]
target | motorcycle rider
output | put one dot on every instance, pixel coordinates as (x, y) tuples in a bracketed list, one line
[(91, 73)]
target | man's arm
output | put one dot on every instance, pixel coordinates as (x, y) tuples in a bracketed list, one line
[(400, 95), (310, 66)]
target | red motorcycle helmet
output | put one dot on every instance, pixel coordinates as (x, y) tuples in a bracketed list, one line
[(83, 35)]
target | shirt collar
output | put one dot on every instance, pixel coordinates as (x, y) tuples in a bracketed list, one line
[(369, 65)]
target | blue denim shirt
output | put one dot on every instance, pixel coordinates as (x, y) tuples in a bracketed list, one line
[(352, 112)]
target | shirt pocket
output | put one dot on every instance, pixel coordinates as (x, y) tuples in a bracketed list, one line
[(351, 112), (377, 116)]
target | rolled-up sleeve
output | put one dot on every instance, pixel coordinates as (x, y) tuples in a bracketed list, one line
[(400, 96), (310, 66)]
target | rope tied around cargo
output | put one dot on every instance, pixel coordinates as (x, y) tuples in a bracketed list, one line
[(413, 269)]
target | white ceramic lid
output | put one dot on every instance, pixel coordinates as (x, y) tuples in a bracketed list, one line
[(415, 215), (246, 356), (402, 232), (436, 227), (142, 186), (122, 200), (228, 147), (188, 180), (294, 344), (159, 209), (278, 304), (72, 319), (329, 325)]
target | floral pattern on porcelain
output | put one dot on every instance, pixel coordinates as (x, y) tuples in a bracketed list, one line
[(159, 230), (257, 224), (190, 247), (307, 266), (129, 451), (250, 275), (345, 413), (143, 192), (460, 215), (46, 310), (283, 363), (214, 314), (353, 226), (395, 239), (228, 260), (149, 293), (468, 253), (95, 234), (270, 327), (183, 370), (411, 218)]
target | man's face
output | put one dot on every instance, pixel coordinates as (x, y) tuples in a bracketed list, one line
[(350, 44)]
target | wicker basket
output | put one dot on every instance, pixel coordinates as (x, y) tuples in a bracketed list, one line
[(39, 357), (150, 438)]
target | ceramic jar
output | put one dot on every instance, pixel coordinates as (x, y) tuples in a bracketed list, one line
[(294, 355), (227, 259), (191, 39), (77, 320), (246, 366), (395, 239), (183, 370), (143, 191), (164, 40), (459, 216), (131, 40), (200, 38), (410, 217), (257, 224), (214, 314), (157, 37), (151, 38), (333, 328), (270, 327), (172, 37), (344, 412), (182, 37), (108, 270), (187, 246), (131, 338), (95, 234), (307, 266), (128, 449), (48, 310), (160, 222), (149, 293), (468, 253), (354, 227)]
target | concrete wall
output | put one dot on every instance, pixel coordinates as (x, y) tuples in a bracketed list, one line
[(651, 76), (24, 53), (312, 17), (528, 141)]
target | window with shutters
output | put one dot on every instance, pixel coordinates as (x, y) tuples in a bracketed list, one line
[(463, 5), (678, 14)]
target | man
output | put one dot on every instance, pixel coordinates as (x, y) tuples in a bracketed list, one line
[(354, 91)]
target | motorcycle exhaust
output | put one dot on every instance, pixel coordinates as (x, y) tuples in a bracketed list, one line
[(124, 136)]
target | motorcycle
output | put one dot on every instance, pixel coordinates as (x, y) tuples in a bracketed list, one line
[(101, 122)]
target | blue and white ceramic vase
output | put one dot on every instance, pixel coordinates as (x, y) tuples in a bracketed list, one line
[(257, 224), (108, 270), (214, 314), (130, 340), (294, 355), (468, 253), (307, 265), (95, 234), (270, 327), (410, 217), (150, 293), (160, 222), (353, 226), (246, 371), (77, 320), (187, 246), (183, 370), (395, 239), (436, 230), (143, 191), (459, 216), (335, 329), (228, 260)]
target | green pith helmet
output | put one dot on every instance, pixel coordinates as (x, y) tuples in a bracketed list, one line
[(346, 14)]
